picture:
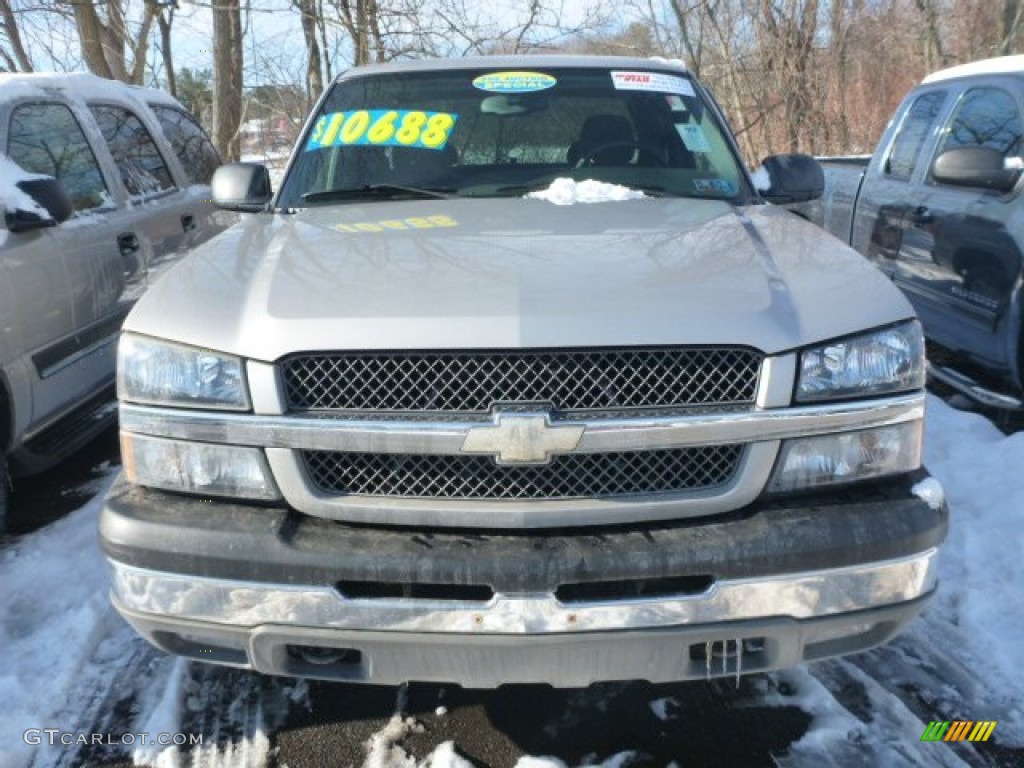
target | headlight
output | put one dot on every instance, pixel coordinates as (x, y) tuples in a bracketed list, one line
[(813, 462), (201, 468), (890, 360), (159, 372)]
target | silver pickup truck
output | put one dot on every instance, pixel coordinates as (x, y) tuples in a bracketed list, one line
[(937, 208), (420, 418)]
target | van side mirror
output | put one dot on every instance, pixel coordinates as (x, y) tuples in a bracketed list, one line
[(48, 194), (241, 187), (975, 167), (794, 178)]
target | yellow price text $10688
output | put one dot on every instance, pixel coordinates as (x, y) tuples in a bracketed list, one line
[(382, 128)]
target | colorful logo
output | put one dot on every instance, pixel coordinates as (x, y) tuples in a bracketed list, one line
[(514, 82), (959, 730)]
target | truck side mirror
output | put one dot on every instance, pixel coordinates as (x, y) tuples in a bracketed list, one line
[(794, 178), (48, 194), (241, 187), (975, 167)]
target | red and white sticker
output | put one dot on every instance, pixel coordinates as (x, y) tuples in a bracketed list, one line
[(652, 81)]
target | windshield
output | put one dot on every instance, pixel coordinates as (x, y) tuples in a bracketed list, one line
[(484, 133)]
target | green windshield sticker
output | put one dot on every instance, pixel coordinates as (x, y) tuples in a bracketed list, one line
[(383, 128), (514, 82), (693, 137), (717, 186)]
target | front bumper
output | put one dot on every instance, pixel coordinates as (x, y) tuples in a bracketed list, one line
[(763, 588)]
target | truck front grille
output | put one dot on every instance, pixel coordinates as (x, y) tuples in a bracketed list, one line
[(473, 381), (583, 475)]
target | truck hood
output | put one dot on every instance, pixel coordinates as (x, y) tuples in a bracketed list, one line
[(508, 273)]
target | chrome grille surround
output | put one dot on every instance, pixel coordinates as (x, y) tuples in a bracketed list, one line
[(581, 475), (568, 380)]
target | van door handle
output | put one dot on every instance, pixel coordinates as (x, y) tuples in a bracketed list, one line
[(921, 216), (188, 222), (128, 243)]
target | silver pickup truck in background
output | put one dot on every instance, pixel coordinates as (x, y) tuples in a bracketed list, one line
[(429, 414), (938, 209)]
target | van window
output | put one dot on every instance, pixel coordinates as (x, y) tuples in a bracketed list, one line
[(917, 125), (197, 154), (47, 139), (143, 170)]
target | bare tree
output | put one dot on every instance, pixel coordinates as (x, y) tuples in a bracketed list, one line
[(106, 39), (934, 55), (17, 58), (309, 10), (1010, 27), (227, 89), (164, 20)]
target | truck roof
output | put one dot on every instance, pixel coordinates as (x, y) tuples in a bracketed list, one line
[(994, 66), (538, 61), (81, 84)]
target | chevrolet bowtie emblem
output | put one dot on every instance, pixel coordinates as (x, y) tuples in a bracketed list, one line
[(522, 438)]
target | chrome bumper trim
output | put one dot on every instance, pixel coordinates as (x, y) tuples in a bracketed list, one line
[(448, 437), (251, 604)]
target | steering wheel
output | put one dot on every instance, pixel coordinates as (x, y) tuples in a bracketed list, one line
[(643, 149)]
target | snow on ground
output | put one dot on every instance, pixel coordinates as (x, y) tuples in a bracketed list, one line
[(981, 572), (55, 617), (569, 191), (69, 662)]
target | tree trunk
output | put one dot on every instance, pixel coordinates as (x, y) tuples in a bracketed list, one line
[(90, 37), (10, 26), (165, 22), (1011, 27), (227, 90), (314, 75)]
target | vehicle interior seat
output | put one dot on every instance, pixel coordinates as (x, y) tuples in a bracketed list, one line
[(420, 167), (610, 135)]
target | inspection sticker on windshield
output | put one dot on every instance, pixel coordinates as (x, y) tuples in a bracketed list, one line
[(383, 128), (693, 137), (652, 81), (718, 186), (514, 82)]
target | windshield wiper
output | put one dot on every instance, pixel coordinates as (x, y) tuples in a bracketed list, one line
[(377, 192)]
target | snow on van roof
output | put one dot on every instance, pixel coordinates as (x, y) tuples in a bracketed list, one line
[(996, 66), (86, 86)]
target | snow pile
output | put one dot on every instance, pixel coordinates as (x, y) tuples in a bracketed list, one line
[(11, 196), (382, 748), (620, 760), (663, 709), (930, 491), (761, 178), (569, 191)]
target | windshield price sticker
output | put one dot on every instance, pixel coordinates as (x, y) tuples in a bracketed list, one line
[(514, 82), (652, 81), (383, 128)]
